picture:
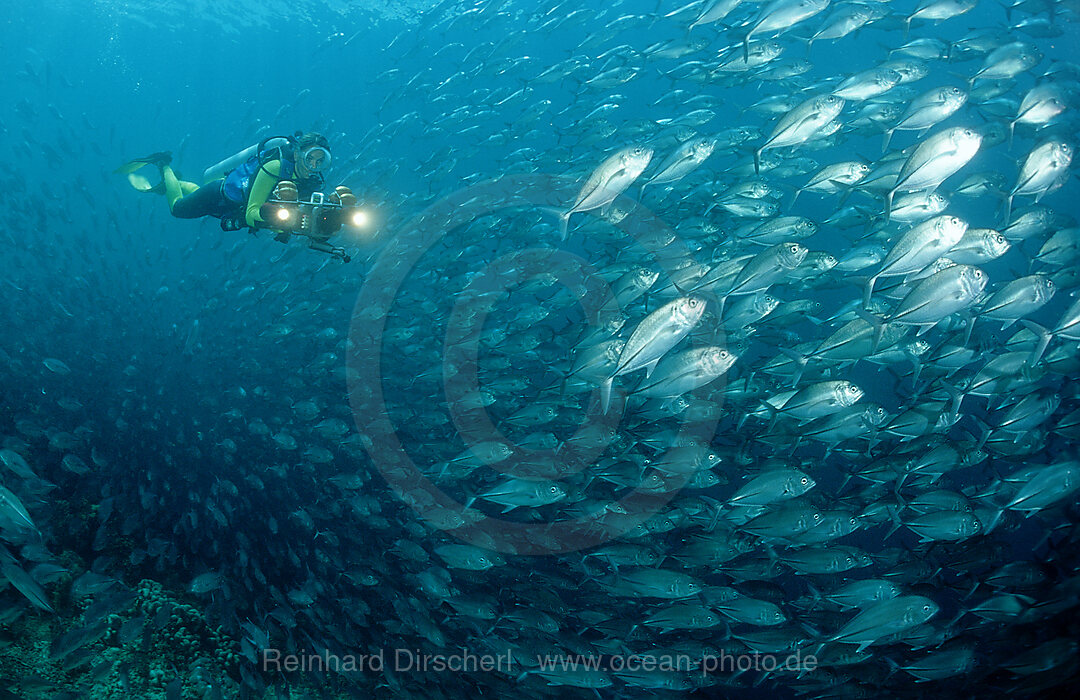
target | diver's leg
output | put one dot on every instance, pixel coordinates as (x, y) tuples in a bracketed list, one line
[(196, 203), (173, 191)]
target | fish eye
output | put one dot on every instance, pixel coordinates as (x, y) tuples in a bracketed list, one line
[(803, 480), (794, 249)]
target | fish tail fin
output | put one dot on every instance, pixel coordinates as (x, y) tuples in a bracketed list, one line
[(995, 519), (800, 361), (984, 432), (955, 395), (894, 516), (718, 510), (869, 291), (888, 204), (1008, 209), (844, 197), (916, 370), (605, 394), (887, 139), (774, 415), (812, 631), (771, 554), (956, 618), (848, 475), (815, 595), (564, 219), (757, 160), (1045, 337), (968, 328), (879, 328), (878, 332)]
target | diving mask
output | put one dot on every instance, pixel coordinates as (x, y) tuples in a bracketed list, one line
[(316, 159)]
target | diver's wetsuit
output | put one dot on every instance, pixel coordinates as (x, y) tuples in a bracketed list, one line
[(210, 199)]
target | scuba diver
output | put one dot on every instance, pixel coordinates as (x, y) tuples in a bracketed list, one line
[(273, 184)]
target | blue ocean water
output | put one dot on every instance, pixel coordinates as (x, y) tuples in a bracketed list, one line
[(241, 450)]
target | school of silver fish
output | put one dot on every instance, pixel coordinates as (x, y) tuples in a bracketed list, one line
[(785, 367)]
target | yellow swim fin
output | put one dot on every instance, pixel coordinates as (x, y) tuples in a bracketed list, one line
[(143, 185), (159, 159)]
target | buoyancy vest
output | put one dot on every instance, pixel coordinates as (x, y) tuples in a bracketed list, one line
[(238, 182)]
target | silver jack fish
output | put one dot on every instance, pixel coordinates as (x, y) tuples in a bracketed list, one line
[(934, 160), (1044, 170), (655, 335), (607, 182)]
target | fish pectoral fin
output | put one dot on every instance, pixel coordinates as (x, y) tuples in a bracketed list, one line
[(614, 176), (650, 367)]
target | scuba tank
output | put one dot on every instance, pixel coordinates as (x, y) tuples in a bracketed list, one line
[(220, 170)]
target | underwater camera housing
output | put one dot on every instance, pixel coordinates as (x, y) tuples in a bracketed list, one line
[(317, 218)]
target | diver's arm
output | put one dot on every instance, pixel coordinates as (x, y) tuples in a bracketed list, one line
[(266, 179)]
